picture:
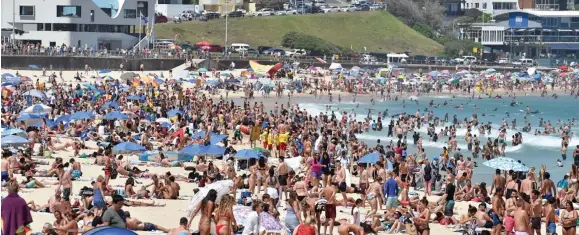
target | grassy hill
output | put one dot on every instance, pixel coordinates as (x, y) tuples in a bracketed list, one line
[(375, 30)]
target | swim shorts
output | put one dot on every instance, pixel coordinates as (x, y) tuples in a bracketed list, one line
[(551, 227), (330, 211), (449, 208), (66, 194), (536, 223), (4, 176), (343, 187), (282, 179), (149, 227), (391, 202)]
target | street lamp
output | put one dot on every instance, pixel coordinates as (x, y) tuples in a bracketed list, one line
[(226, 22)]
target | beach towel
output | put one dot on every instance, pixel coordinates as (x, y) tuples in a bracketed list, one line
[(15, 214)]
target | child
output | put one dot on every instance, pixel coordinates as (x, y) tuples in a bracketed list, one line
[(356, 212), (559, 163)]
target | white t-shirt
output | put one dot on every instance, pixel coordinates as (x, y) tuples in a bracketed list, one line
[(101, 130), (356, 218)]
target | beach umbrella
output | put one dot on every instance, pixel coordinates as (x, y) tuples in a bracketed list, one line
[(215, 137), (111, 104), (128, 76), (203, 43), (187, 153), (214, 150), (107, 230), (33, 66), (14, 131), (135, 97), (247, 154), (38, 108), (174, 112), (128, 147), (506, 163), (35, 93), (104, 71), (232, 80), (202, 70), (212, 82), (163, 120), (150, 156), (222, 187), (13, 141), (64, 119), (491, 70), (371, 158), (7, 75), (116, 115), (130, 114), (81, 115)]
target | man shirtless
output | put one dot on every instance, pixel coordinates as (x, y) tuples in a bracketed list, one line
[(363, 183), (181, 230), (135, 224), (548, 189), (282, 171), (522, 226), (498, 181), (340, 178), (65, 183), (527, 185), (510, 208), (536, 212), (549, 219), (171, 189), (6, 172), (346, 228), (329, 193)]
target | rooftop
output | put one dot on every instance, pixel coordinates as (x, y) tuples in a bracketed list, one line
[(544, 13)]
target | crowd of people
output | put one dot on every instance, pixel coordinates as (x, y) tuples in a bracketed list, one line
[(303, 199)]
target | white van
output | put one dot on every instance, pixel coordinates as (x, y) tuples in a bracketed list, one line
[(239, 47)]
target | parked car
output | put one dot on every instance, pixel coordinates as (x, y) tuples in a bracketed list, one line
[(261, 49), (331, 9), (235, 14), (363, 7), (348, 8), (295, 52), (286, 12), (274, 51), (504, 61), (264, 12), (465, 60), (523, 62), (211, 15), (160, 19), (418, 59)]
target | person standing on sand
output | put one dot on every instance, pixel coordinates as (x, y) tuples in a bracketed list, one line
[(498, 181), (522, 226), (549, 219), (16, 215), (569, 219), (329, 193), (536, 212), (391, 191)]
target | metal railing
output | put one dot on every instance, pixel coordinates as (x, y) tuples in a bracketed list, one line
[(143, 54)]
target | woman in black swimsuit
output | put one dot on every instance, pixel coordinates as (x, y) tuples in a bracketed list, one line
[(569, 219)]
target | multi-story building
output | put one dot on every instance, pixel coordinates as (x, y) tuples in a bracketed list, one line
[(453, 7), (78, 23), (529, 33), (492, 6)]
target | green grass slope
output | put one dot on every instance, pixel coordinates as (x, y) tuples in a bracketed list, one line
[(378, 31)]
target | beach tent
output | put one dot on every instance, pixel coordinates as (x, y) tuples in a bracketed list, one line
[(265, 69), (335, 66)]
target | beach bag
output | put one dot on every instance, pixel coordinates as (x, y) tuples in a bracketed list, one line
[(320, 205), (48, 154)]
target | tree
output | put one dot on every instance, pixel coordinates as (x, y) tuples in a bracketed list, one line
[(432, 13), (424, 30), (457, 47), (484, 18), (473, 13)]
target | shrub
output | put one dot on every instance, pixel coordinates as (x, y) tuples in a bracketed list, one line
[(314, 45)]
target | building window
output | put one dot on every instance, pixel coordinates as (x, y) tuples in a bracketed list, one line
[(68, 11), (27, 10), (91, 15), (476, 5), (65, 27), (467, 5), (130, 13), (143, 8), (40, 27), (48, 27), (485, 5)]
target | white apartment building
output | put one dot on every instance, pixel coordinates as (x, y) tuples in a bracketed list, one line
[(80, 23), (492, 6)]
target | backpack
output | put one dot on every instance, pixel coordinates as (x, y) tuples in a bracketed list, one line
[(320, 205)]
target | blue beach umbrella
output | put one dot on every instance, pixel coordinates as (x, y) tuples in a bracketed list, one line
[(135, 97), (111, 104), (174, 112), (187, 153), (215, 150), (506, 163), (150, 156), (35, 93), (14, 131), (128, 147), (38, 108), (13, 141), (370, 158), (247, 154), (212, 82), (104, 71), (116, 115), (33, 66), (64, 119), (107, 230), (202, 70), (81, 115), (7, 75)]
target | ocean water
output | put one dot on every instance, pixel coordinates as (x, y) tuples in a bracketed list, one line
[(535, 150)]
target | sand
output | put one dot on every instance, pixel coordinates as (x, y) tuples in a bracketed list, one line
[(169, 215)]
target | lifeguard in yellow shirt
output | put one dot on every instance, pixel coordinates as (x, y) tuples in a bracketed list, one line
[(264, 138)]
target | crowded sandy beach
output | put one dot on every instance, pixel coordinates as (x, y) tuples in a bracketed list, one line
[(325, 152)]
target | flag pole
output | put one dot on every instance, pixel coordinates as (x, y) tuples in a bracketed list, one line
[(140, 28)]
